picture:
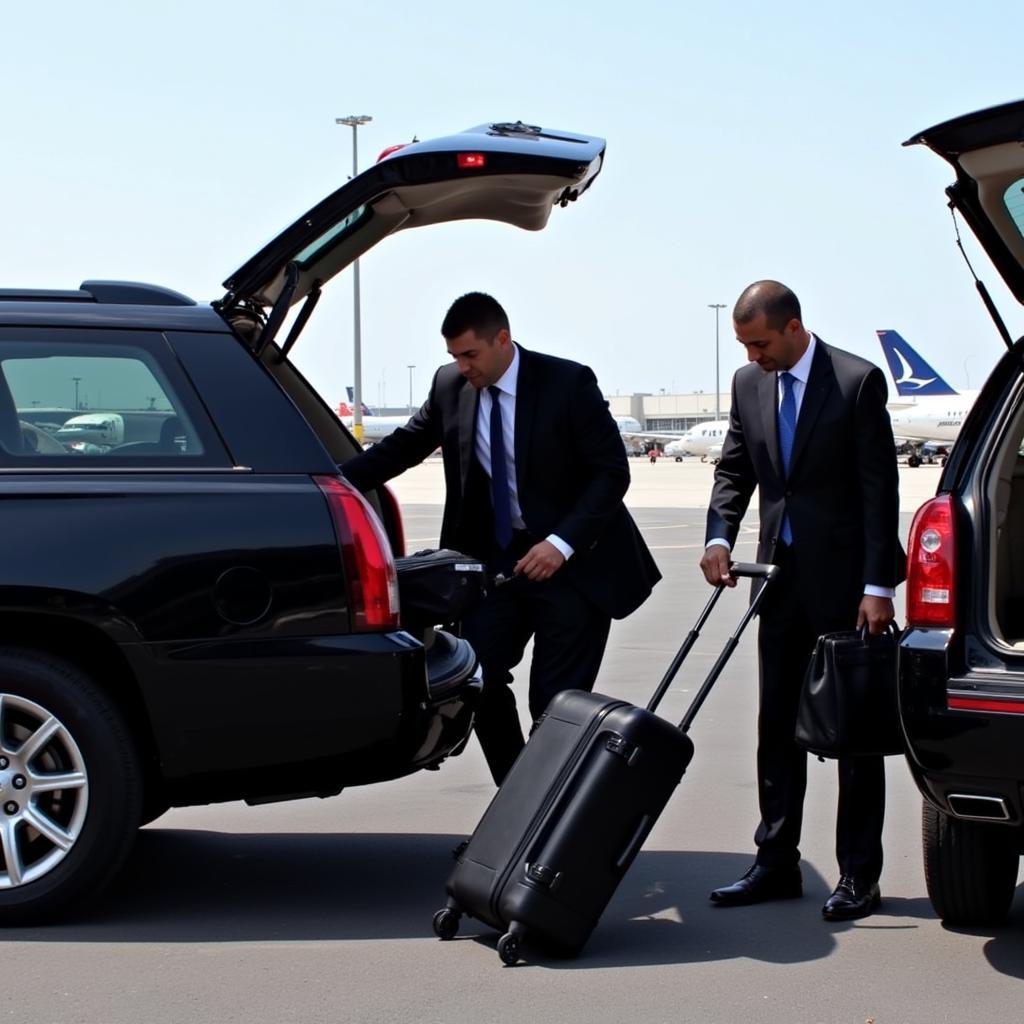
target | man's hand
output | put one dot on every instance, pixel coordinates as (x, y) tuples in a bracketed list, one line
[(541, 562), (715, 566), (875, 612)]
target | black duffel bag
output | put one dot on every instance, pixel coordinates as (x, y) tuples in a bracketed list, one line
[(848, 705)]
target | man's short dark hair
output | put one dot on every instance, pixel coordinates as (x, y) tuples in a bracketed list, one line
[(775, 300), (476, 312)]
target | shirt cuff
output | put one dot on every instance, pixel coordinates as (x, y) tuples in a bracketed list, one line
[(566, 549), (718, 540), (870, 590)]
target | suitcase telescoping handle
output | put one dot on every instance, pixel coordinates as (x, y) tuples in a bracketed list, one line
[(754, 570)]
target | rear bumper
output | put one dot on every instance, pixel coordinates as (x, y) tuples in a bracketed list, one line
[(968, 763), (304, 715), (456, 682)]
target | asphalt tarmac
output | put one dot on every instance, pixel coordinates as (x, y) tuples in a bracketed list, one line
[(320, 910)]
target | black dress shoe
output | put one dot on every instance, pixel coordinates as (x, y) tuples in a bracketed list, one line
[(759, 884), (851, 899)]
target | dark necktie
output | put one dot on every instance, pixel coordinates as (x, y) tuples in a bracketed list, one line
[(499, 474), (787, 430)]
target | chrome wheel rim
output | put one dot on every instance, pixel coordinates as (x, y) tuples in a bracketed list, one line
[(44, 791)]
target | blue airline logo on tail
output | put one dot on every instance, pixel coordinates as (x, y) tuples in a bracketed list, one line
[(910, 372)]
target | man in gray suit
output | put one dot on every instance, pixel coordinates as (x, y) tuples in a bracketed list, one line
[(808, 427)]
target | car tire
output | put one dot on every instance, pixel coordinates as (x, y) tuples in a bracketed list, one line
[(970, 868), (60, 844)]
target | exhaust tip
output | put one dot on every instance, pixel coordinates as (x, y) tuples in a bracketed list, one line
[(982, 808)]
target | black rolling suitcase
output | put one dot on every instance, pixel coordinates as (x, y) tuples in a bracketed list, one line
[(575, 809)]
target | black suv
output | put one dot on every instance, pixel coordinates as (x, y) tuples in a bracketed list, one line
[(962, 657), (194, 604)]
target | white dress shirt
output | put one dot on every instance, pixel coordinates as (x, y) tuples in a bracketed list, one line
[(507, 384)]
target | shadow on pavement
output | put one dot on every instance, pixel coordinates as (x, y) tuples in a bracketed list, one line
[(199, 886), (662, 915), (1005, 950)]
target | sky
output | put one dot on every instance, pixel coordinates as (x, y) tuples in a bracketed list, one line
[(168, 143)]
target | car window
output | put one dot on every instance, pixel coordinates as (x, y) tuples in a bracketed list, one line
[(1013, 199), (317, 248), (96, 402)]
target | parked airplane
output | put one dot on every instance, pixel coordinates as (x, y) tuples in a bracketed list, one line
[(631, 430), (926, 408), (377, 427), (703, 439), (374, 427), (638, 440)]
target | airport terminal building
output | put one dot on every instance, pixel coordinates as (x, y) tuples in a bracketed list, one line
[(674, 413)]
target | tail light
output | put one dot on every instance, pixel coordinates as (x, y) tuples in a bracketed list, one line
[(931, 565), (393, 520), (388, 150), (366, 556)]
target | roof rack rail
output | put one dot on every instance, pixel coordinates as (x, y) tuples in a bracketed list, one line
[(135, 293), (132, 293)]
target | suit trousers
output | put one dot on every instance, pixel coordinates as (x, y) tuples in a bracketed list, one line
[(569, 637), (786, 640)]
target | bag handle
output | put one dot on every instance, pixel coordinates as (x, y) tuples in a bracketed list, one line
[(893, 629), (755, 571), (752, 570)]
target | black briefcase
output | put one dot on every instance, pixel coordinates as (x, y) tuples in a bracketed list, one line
[(848, 705)]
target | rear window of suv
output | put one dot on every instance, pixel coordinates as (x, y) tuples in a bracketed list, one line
[(89, 402), (1013, 199)]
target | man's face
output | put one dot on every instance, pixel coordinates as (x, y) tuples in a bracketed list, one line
[(482, 361), (770, 349)]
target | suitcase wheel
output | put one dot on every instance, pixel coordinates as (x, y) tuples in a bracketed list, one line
[(446, 923), (508, 948)]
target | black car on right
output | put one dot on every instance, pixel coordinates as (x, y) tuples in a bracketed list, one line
[(961, 666)]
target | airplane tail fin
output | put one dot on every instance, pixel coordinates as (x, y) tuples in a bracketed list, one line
[(344, 409), (350, 391), (910, 371)]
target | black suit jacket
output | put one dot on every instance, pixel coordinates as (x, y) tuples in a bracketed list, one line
[(571, 474), (842, 490)]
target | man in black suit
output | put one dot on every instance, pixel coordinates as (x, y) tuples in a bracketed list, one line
[(808, 427), (551, 517)]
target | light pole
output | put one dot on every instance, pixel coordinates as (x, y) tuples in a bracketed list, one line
[(77, 380), (354, 121), (716, 306), (412, 366)]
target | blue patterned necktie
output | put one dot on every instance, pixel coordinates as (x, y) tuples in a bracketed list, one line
[(787, 430), (499, 474)]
